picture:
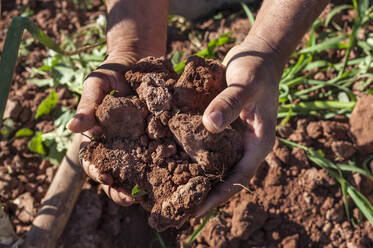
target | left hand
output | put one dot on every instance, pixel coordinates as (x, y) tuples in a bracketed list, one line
[(252, 76)]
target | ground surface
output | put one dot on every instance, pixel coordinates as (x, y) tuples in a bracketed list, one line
[(290, 203)]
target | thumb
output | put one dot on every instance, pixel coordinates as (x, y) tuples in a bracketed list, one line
[(94, 90), (226, 107)]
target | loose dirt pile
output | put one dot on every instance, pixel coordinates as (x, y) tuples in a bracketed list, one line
[(155, 138), (291, 202)]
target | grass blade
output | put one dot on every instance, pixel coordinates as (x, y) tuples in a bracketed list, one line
[(332, 43), (161, 241), (195, 234), (8, 60), (335, 11), (362, 203), (345, 199), (352, 168), (208, 52), (316, 106), (248, 13)]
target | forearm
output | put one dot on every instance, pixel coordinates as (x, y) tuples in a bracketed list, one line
[(281, 24), (137, 28)]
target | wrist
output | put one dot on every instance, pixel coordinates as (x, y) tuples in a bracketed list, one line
[(270, 55), (118, 62), (137, 28)]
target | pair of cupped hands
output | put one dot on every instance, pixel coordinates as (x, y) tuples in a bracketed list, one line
[(252, 75)]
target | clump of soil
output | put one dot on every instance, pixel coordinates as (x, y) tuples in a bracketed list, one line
[(362, 128), (155, 138)]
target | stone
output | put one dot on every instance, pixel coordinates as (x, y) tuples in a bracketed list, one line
[(25, 207), (361, 124), (12, 109)]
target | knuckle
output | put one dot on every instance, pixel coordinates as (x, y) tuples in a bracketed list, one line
[(231, 102), (98, 79)]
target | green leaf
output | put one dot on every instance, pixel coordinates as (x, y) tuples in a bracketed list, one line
[(196, 233), (24, 132), (55, 156), (318, 64), (335, 11), (112, 93), (59, 136), (36, 144), (179, 68), (28, 12), (65, 117), (176, 58), (248, 13), (136, 192), (306, 107), (7, 129), (208, 52), (343, 97), (332, 43), (47, 105), (8, 59), (63, 74), (41, 82)]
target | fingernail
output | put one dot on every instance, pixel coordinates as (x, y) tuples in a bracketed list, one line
[(77, 117), (68, 125), (216, 120), (125, 197)]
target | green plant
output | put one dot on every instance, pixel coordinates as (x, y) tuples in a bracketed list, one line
[(248, 13), (208, 52), (53, 145), (137, 192), (47, 105), (197, 232), (333, 96), (11, 47)]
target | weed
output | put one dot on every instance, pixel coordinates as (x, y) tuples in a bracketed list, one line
[(113, 92), (137, 192), (208, 52), (197, 232), (47, 105)]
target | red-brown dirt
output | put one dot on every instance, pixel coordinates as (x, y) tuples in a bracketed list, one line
[(98, 222), (362, 128), (156, 139)]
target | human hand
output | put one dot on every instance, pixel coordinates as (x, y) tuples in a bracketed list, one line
[(252, 75), (99, 83)]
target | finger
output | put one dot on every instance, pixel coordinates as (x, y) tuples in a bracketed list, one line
[(89, 168), (244, 87), (244, 170), (225, 108), (96, 86), (119, 196), (94, 90), (95, 175)]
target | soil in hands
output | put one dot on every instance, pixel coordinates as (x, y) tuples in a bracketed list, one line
[(154, 139)]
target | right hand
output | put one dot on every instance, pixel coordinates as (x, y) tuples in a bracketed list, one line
[(99, 83)]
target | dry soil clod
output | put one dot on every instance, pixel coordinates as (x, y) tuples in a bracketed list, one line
[(155, 139)]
